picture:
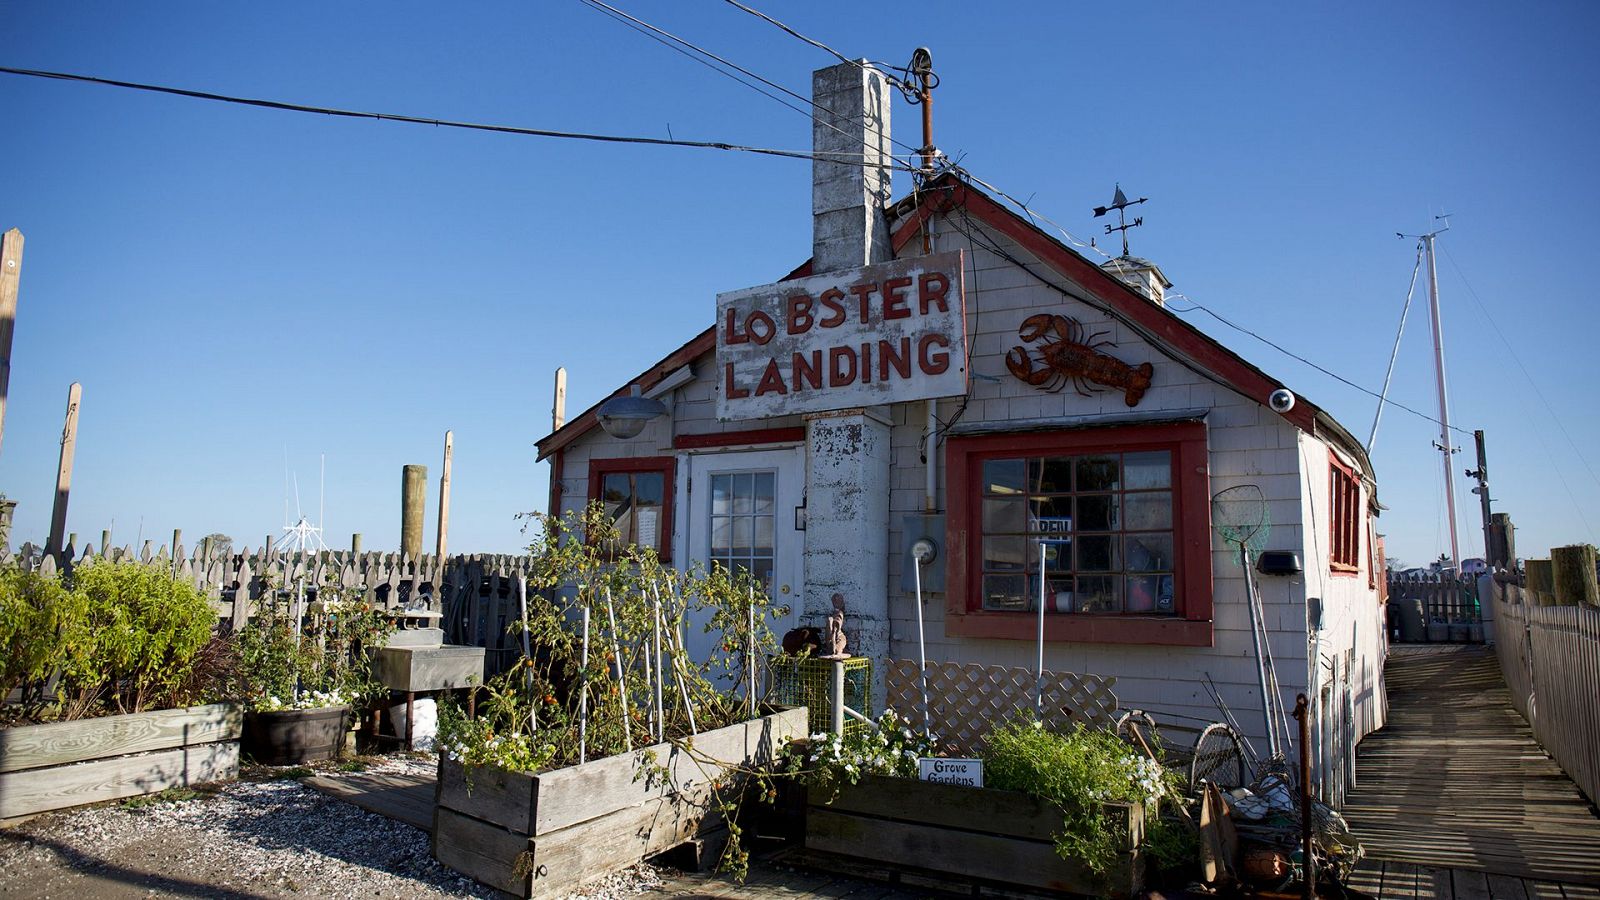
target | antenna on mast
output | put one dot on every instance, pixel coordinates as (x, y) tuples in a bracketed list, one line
[(1120, 203), (1443, 443)]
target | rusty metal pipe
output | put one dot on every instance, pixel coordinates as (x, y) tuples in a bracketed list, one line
[(1308, 867)]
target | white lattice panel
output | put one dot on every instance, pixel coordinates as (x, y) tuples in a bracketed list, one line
[(966, 702)]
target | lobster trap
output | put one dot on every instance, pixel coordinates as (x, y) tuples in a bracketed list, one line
[(808, 681)]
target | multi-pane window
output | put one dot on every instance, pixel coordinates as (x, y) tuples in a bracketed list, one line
[(1103, 521), (637, 497), (743, 505), (1345, 533)]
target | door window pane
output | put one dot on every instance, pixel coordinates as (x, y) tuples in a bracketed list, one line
[(743, 524)]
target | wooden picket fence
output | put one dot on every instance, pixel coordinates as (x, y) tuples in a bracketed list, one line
[(474, 593), (1550, 657), (1447, 598)]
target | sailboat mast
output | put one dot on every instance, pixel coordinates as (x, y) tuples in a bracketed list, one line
[(1443, 443)]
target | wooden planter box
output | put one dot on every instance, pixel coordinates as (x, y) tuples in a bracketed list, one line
[(65, 764), (972, 834), (545, 834)]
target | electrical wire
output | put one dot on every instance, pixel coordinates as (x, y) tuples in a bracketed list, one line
[(1518, 360), (821, 46), (1539, 433), (1197, 305), (688, 48), (829, 156)]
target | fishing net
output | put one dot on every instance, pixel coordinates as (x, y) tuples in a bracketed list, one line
[(1240, 515), (1220, 758)]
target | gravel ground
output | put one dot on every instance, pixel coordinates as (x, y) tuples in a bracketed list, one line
[(261, 836)]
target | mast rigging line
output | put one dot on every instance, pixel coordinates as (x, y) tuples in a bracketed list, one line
[(1518, 360), (831, 156), (1395, 353)]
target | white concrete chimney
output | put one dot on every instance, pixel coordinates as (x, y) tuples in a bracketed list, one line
[(848, 196)]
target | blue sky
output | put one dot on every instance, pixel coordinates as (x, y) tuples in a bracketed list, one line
[(235, 286)]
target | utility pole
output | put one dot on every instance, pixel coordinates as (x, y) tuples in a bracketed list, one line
[(1482, 490), (69, 446), (1444, 403), (10, 281)]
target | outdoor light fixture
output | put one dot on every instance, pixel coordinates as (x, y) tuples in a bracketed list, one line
[(624, 417)]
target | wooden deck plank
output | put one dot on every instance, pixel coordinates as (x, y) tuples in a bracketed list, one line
[(405, 798), (1455, 780)]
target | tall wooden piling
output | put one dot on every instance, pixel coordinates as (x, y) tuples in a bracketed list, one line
[(444, 497), (1540, 584), (413, 505), (69, 447), (1573, 571), (10, 283)]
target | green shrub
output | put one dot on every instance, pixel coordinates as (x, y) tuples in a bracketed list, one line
[(120, 638), (41, 624), (1078, 771), (146, 629)]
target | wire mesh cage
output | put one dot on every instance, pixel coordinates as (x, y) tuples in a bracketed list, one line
[(807, 681)]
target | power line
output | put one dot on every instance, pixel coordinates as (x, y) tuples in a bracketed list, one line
[(816, 43), (440, 123), (683, 46), (1292, 355)]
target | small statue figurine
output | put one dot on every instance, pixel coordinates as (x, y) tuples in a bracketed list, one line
[(833, 640)]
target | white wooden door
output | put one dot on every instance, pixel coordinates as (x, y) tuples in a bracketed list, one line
[(740, 512)]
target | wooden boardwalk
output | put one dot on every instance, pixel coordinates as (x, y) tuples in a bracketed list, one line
[(1456, 781)]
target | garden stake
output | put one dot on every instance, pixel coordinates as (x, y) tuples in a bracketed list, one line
[(750, 651), (649, 690), (1038, 678), (622, 682), (583, 693), (655, 626), (922, 649), (674, 653), (527, 656)]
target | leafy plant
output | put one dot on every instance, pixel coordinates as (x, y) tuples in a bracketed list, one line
[(319, 659), (826, 762), (42, 623), (562, 704), (1078, 771), (529, 717)]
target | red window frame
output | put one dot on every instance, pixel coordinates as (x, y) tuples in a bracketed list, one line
[(1344, 518), (1191, 626), (666, 465)]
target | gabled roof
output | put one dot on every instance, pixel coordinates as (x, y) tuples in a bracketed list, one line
[(1159, 326)]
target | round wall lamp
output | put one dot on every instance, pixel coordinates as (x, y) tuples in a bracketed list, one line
[(625, 416)]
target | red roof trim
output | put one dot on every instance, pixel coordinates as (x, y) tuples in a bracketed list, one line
[(702, 343), (1220, 361), (750, 437)]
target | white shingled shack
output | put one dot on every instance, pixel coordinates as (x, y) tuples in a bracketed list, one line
[(1069, 404)]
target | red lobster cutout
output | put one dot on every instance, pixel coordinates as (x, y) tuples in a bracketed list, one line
[(1072, 357)]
